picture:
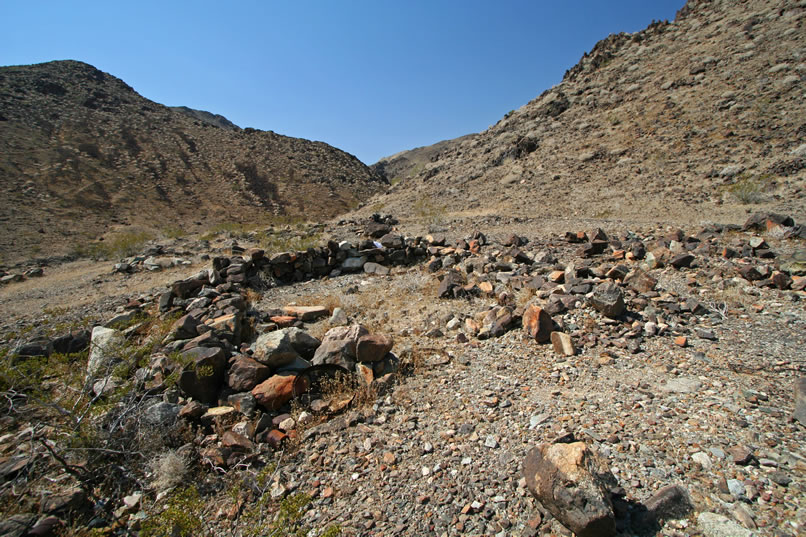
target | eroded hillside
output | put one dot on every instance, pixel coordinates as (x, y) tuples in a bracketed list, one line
[(701, 118), (82, 155)]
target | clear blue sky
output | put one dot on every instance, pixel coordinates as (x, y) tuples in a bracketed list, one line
[(371, 77)]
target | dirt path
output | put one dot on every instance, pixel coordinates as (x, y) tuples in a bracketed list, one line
[(80, 283)]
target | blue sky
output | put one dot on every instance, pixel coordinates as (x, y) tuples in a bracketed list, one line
[(371, 77)]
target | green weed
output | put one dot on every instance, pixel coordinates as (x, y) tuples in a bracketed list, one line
[(182, 516)]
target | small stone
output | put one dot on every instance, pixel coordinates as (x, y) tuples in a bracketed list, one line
[(339, 318), (702, 459), (714, 525), (537, 323), (780, 478), (743, 514), (681, 341), (490, 442), (741, 455), (563, 345), (608, 299), (306, 313), (287, 424), (736, 488), (799, 414)]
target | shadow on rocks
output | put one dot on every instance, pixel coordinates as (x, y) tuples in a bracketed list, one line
[(646, 519)]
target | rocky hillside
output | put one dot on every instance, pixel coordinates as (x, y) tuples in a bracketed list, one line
[(696, 119), (82, 155)]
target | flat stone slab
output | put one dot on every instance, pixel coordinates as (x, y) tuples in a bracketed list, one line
[(306, 313)]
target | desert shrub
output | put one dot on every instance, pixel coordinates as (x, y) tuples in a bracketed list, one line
[(173, 232), (749, 189), (122, 244), (274, 242)]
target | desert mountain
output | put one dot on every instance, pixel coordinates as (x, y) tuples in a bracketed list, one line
[(81, 154), (684, 121)]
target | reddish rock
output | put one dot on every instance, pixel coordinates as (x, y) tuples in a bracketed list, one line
[(274, 438), (237, 441), (741, 455), (283, 321), (276, 391), (572, 482), (557, 276), (486, 288), (640, 281), (681, 341), (372, 347), (193, 410), (537, 323)]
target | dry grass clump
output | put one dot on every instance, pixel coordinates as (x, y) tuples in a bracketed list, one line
[(169, 470)]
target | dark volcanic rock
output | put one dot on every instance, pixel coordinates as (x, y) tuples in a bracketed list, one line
[(608, 299)]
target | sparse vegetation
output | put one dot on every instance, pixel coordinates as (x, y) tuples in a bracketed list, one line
[(749, 189), (123, 244), (429, 211), (182, 516)]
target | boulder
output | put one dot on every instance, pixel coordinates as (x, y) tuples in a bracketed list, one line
[(608, 299), (799, 413), (339, 346), (573, 484), (203, 373), (245, 373), (275, 349), (537, 323), (275, 391), (372, 348), (105, 347)]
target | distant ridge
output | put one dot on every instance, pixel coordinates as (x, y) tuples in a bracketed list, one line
[(82, 154)]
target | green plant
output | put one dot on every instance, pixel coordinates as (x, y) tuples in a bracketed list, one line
[(749, 189), (123, 244), (331, 531), (283, 242), (182, 516), (173, 232)]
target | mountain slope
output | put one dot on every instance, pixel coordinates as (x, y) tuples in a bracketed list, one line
[(695, 119), (81, 153)]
